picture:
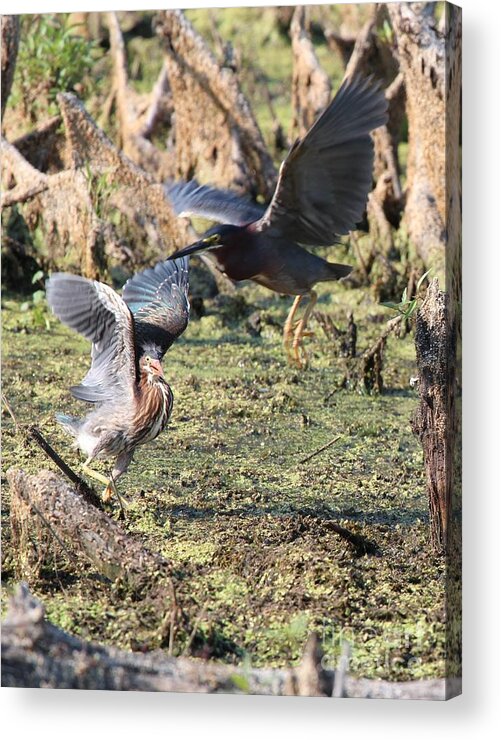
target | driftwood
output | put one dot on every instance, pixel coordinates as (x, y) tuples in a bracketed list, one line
[(37, 654), (81, 486), (10, 45), (311, 88), (435, 422), (216, 135)]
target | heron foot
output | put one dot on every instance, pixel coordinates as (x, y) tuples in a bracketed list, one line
[(112, 490), (109, 491)]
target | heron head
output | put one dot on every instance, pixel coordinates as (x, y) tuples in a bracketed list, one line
[(215, 238), (151, 366)]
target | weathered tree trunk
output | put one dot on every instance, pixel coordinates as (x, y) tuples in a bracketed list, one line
[(10, 45), (435, 419), (430, 63), (37, 654), (311, 88), (430, 58), (216, 136), (73, 205)]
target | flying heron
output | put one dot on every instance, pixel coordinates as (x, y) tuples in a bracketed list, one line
[(320, 195), (126, 383)]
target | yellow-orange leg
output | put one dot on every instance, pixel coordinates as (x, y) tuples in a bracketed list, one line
[(94, 474), (108, 482), (300, 332), (289, 327)]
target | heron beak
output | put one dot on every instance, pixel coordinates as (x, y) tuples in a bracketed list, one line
[(156, 367), (199, 246)]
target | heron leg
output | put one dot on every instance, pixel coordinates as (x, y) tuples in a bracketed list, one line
[(300, 332), (93, 473), (121, 464), (289, 327), (108, 482)]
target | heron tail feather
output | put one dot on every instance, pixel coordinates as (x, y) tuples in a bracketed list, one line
[(70, 424)]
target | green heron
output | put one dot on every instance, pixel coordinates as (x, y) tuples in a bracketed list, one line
[(321, 194), (129, 336)]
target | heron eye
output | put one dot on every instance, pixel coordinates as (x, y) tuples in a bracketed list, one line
[(213, 239)]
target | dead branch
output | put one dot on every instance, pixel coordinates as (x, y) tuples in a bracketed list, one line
[(363, 47), (160, 106), (81, 486), (20, 194), (311, 88), (373, 358), (319, 450), (217, 138), (385, 202), (343, 44), (35, 653)]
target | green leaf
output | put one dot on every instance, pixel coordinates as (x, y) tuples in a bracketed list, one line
[(421, 279), (37, 276)]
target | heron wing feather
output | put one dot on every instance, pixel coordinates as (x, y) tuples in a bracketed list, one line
[(325, 179), (99, 314), (158, 299), (223, 206)]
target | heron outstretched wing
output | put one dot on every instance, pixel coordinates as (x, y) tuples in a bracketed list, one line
[(158, 299), (224, 206), (325, 179), (96, 312)]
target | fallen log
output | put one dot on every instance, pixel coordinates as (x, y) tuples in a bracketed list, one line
[(84, 530), (36, 654)]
